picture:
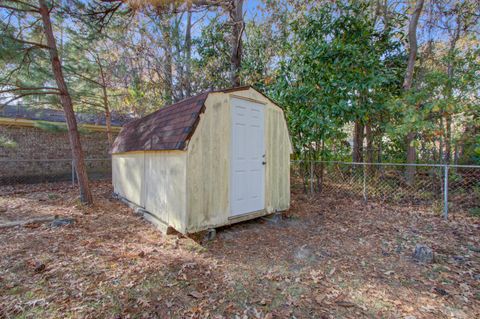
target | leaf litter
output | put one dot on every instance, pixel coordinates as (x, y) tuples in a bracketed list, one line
[(328, 257)]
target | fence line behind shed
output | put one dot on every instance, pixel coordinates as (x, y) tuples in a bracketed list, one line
[(19, 171), (445, 187)]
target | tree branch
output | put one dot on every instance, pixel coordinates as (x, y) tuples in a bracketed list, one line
[(25, 4), (28, 89), (35, 44), (28, 94), (17, 9), (68, 69)]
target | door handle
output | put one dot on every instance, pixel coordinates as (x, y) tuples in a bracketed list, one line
[(264, 163)]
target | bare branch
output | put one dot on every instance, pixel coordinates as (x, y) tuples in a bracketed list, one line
[(25, 4), (17, 9), (28, 89), (35, 44), (27, 94), (68, 69)]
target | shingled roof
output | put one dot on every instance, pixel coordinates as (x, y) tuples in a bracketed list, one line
[(166, 129)]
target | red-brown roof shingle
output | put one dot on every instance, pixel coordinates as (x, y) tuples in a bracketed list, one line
[(166, 129)]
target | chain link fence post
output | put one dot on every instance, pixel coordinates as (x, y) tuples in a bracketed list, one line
[(445, 192)]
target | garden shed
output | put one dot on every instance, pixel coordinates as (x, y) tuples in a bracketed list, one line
[(210, 160)]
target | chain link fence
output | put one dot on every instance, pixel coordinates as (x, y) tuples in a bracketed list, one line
[(447, 188), (14, 171)]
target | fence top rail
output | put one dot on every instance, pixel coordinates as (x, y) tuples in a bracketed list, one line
[(390, 164)]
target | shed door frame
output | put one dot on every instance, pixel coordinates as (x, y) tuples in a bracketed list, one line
[(247, 173)]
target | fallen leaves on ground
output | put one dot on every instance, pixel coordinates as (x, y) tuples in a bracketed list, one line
[(330, 257)]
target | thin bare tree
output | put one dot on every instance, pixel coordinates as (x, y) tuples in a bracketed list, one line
[(408, 80), (238, 25)]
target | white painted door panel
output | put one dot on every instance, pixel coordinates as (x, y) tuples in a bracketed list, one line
[(247, 169)]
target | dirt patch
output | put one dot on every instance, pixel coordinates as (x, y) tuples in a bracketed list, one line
[(330, 257), (24, 202)]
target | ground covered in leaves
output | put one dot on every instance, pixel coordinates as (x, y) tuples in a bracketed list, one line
[(327, 258)]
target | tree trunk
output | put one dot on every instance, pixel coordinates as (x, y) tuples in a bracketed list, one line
[(369, 137), (449, 91), (386, 18), (168, 75), (469, 131), (412, 43), (108, 116), (236, 18), (322, 167), (188, 53), (66, 101), (369, 153), (357, 152), (448, 138), (167, 47), (411, 157), (440, 144), (379, 154), (407, 84), (178, 60), (455, 154)]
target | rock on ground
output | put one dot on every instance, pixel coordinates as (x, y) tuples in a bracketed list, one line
[(62, 222), (423, 254)]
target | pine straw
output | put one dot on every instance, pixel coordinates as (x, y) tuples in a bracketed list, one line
[(330, 257)]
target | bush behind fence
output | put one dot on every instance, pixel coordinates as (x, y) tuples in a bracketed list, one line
[(448, 188)]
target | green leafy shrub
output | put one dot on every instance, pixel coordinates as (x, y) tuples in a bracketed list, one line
[(7, 142)]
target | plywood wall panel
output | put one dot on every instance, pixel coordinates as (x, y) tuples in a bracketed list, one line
[(128, 176), (208, 166), (165, 186)]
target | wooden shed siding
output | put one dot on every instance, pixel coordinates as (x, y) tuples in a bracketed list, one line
[(208, 166), (278, 162), (189, 189), (155, 181), (165, 178), (208, 161), (128, 176)]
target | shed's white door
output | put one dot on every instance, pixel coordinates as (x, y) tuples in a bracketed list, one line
[(247, 171)]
